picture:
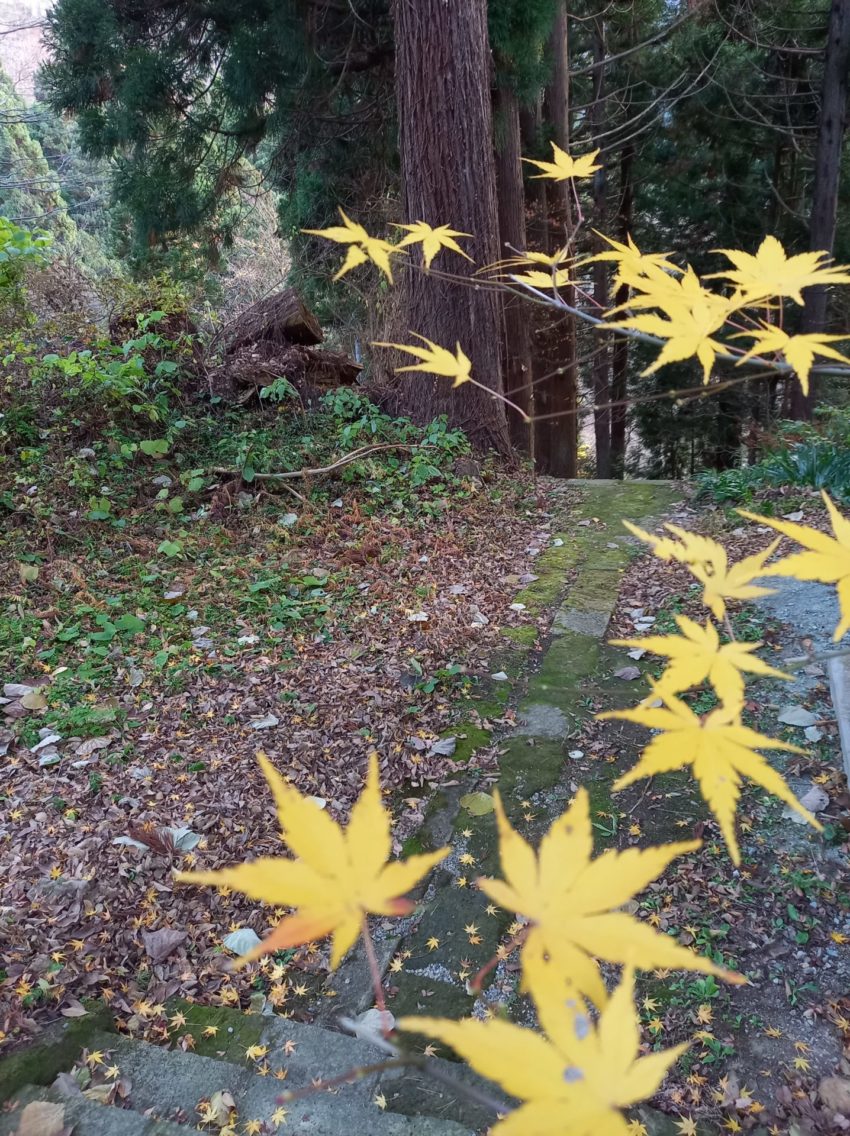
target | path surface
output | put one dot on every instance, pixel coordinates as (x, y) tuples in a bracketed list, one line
[(579, 578)]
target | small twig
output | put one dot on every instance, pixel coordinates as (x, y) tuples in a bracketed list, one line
[(642, 797), (823, 657), (375, 972), (516, 941), (321, 471), (291, 489), (349, 1078)]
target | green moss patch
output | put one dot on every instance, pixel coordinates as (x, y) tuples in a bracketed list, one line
[(55, 1052)]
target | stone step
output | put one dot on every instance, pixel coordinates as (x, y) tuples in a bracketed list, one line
[(328, 1053), (304, 1051), (172, 1082), (88, 1118)]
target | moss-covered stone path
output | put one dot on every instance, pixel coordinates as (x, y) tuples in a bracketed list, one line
[(455, 932)]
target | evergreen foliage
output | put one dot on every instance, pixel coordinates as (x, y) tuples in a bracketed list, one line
[(180, 97)]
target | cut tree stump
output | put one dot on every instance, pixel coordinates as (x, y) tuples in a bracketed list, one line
[(281, 319)]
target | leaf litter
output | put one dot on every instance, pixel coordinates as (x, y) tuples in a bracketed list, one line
[(90, 843)]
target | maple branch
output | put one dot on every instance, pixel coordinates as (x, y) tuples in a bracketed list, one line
[(516, 941), (400, 1060), (403, 1059), (355, 1074), (656, 341)]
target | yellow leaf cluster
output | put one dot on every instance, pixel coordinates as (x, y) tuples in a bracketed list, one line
[(707, 561), (361, 247), (798, 351), (697, 656), (572, 901), (719, 748), (720, 751), (771, 272), (563, 167), (632, 264), (576, 1078), (690, 315), (537, 278), (338, 877), (432, 240)]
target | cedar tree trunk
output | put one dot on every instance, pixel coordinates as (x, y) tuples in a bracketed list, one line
[(442, 69), (557, 436), (831, 127), (517, 330), (602, 354)]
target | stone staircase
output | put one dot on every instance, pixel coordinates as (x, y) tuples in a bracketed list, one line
[(167, 1084)]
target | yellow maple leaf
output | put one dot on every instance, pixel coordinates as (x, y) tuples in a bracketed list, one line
[(432, 240), (656, 287), (697, 656), (572, 901), (799, 351), (719, 749), (576, 1078), (771, 272), (362, 247), (827, 558), (435, 360), (630, 260), (340, 876), (555, 259), (687, 328), (564, 167), (708, 562), (537, 278)]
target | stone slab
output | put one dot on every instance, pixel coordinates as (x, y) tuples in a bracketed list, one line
[(89, 1118), (168, 1080), (540, 720)]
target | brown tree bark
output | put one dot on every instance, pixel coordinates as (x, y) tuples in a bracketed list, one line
[(831, 126), (536, 197), (620, 350), (442, 70), (602, 354), (556, 396), (516, 359)]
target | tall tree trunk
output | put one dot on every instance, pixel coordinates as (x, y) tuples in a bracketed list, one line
[(831, 126), (442, 70), (557, 436), (602, 354), (620, 352), (511, 200), (537, 199)]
